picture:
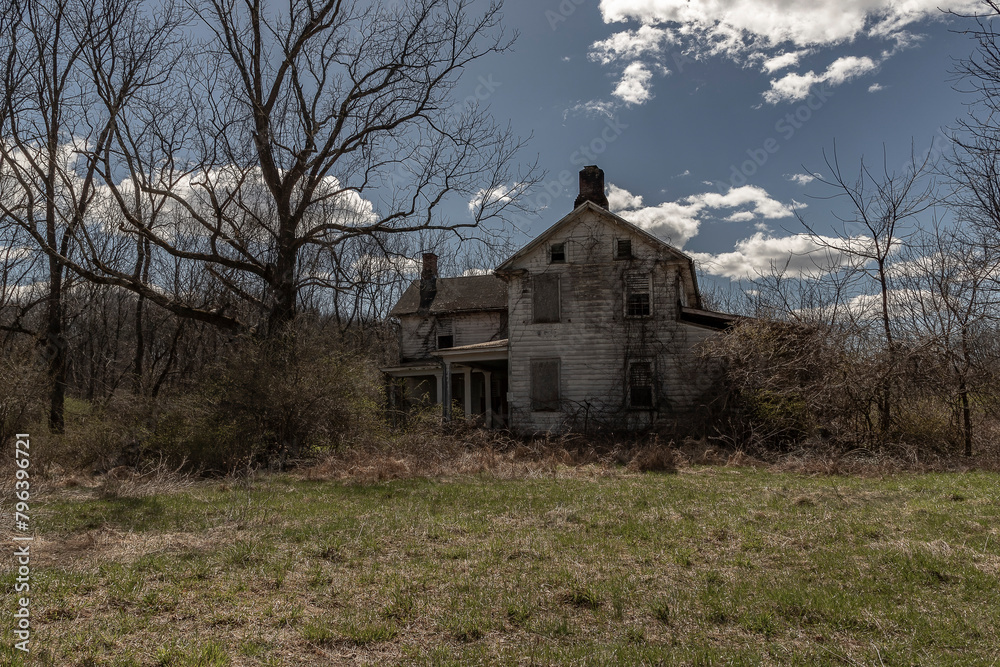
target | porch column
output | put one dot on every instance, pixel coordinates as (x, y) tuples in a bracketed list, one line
[(445, 381), (468, 392), (489, 399), (438, 395)]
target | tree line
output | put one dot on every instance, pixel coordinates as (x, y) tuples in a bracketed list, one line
[(176, 175), (888, 332)]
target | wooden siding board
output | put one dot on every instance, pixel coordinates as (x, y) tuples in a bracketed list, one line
[(594, 339)]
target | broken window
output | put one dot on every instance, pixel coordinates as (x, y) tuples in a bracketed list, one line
[(545, 384), (640, 384), (545, 299), (445, 334), (623, 249), (638, 299), (557, 253)]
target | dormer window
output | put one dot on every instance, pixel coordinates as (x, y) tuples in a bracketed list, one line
[(557, 253), (623, 248)]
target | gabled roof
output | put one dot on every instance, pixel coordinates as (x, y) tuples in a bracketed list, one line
[(468, 293), (614, 219), (576, 214)]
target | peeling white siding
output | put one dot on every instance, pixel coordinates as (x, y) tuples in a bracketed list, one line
[(418, 333), (594, 339)]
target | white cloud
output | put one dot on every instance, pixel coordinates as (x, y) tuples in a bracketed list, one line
[(798, 255), (620, 199), (631, 44), (783, 60), (738, 24), (634, 86), (495, 197), (803, 179), (875, 87), (679, 221), (774, 34), (593, 108), (794, 87)]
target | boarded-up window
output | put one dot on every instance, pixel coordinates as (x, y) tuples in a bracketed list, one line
[(640, 384), (546, 298), (545, 384), (638, 300)]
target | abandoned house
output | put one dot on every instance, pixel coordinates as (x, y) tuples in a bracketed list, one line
[(592, 324)]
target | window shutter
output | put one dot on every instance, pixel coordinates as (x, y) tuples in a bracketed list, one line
[(545, 384), (545, 298)]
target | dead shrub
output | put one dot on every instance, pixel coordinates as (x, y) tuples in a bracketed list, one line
[(654, 458)]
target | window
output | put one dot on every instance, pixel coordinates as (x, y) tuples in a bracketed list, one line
[(545, 385), (638, 301), (557, 253), (545, 299), (640, 384), (445, 334), (623, 249)]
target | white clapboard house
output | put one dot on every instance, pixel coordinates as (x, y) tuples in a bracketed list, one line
[(592, 324)]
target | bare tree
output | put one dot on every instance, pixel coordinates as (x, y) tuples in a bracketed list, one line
[(54, 128), (302, 129), (880, 205)]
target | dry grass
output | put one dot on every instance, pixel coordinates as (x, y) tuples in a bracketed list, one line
[(480, 549)]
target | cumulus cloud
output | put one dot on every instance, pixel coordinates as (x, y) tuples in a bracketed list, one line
[(875, 87), (631, 44), (783, 60), (798, 255), (634, 88), (620, 199), (803, 179), (775, 34), (678, 221), (794, 87)]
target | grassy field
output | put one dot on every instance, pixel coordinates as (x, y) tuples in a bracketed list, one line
[(584, 566)]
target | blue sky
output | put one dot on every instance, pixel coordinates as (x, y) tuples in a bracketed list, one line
[(708, 115)]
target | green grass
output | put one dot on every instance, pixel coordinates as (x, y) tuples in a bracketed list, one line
[(709, 566)]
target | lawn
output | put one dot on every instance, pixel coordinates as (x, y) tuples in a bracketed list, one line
[(585, 566)]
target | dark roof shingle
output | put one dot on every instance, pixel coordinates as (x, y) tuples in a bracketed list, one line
[(455, 295)]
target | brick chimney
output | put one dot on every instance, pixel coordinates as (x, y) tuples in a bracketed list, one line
[(428, 279), (592, 186)]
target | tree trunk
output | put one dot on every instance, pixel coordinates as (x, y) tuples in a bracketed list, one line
[(966, 416), (55, 350)]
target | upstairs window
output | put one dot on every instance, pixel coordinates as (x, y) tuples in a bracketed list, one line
[(557, 253), (445, 334), (545, 298), (638, 298), (623, 248), (640, 384)]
